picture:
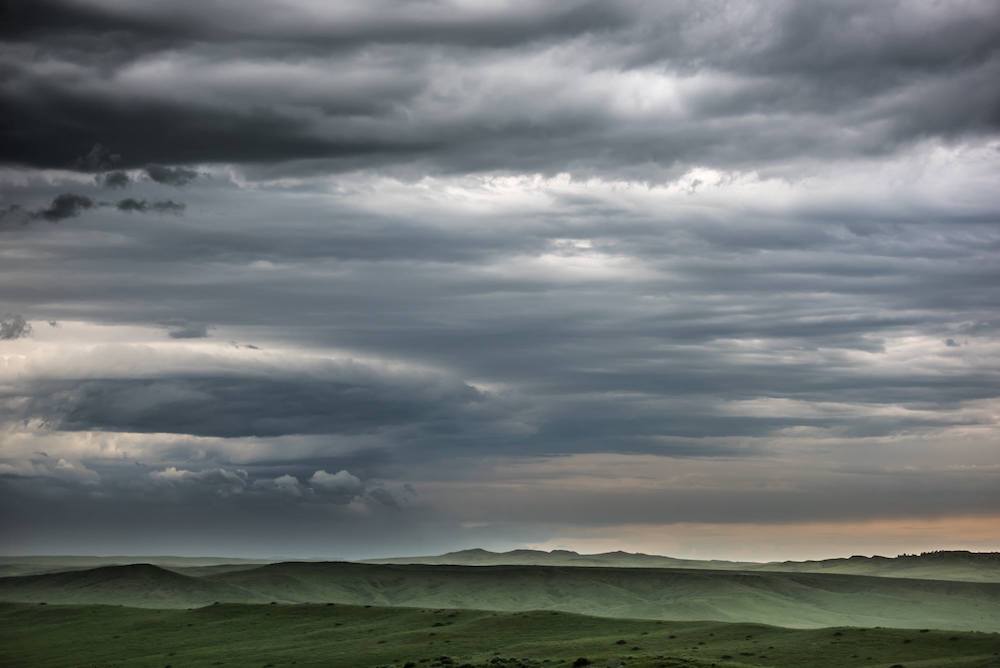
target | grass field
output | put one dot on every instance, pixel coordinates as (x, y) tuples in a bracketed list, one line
[(351, 636)]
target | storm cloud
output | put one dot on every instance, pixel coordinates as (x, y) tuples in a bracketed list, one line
[(627, 87), (500, 274)]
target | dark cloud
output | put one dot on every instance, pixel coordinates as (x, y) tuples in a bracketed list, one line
[(97, 159), (67, 205), (14, 326), (71, 205), (187, 330), (246, 406), (130, 204), (113, 180), (171, 176), (753, 85), (385, 497)]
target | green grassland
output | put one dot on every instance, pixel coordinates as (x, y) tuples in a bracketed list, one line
[(335, 635), (797, 600), (944, 565)]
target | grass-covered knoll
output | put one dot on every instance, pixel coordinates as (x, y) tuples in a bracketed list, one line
[(942, 565), (142, 585), (348, 636), (785, 599)]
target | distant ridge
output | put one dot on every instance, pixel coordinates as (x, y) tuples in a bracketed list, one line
[(34, 564), (139, 585), (959, 565)]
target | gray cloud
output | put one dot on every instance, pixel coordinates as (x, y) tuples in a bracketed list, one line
[(753, 84), (113, 180), (142, 206), (750, 246), (97, 159), (71, 205), (67, 205), (14, 326), (352, 400), (187, 330), (172, 176)]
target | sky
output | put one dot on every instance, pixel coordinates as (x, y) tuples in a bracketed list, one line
[(370, 278)]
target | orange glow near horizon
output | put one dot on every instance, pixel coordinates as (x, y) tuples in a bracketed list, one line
[(793, 541)]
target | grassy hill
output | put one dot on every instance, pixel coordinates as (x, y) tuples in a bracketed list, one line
[(799, 600), (785, 599), (347, 636), (141, 585), (943, 565)]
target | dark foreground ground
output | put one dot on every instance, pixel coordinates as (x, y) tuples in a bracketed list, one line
[(338, 635)]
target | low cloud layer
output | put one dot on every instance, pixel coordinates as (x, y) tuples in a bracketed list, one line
[(501, 275)]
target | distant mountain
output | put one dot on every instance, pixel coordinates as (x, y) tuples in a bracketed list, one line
[(139, 585), (480, 557), (943, 565)]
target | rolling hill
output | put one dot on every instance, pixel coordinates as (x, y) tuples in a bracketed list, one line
[(786, 599), (139, 585), (797, 600), (943, 565)]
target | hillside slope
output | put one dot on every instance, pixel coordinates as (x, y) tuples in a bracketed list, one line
[(944, 565), (139, 585), (800, 600), (784, 599)]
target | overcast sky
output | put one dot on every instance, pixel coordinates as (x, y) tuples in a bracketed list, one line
[(362, 278)]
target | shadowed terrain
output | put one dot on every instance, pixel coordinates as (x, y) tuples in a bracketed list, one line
[(347, 636), (141, 585), (33, 565)]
